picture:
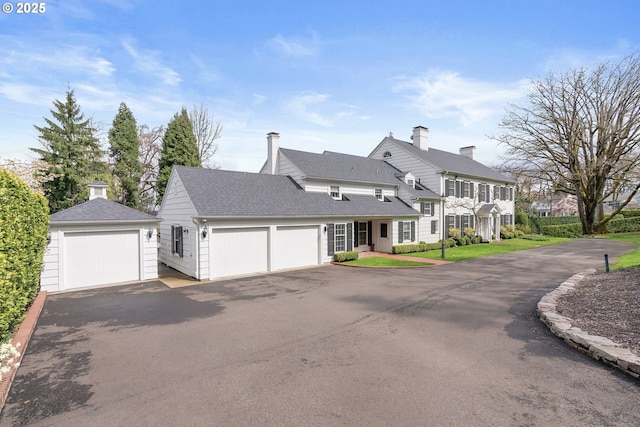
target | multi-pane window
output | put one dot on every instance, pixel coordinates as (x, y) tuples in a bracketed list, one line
[(340, 237), (451, 187), (176, 240), (451, 223), (362, 233), (378, 192), (465, 189), (434, 227), (406, 231), (465, 222), (334, 190), (427, 208), (482, 192)]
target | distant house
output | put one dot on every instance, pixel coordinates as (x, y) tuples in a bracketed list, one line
[(304, 207), (614, 201), (560, 204)]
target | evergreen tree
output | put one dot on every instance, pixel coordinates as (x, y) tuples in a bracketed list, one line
[(71, 153), (124, 149), (179, 147)]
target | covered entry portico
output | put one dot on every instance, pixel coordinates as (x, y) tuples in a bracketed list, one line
[(373, 234), (489, 222)]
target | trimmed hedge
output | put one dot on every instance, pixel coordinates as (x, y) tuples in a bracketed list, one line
[(345, 256), (535, 237), (625, 225), (564, 230), (421, 247), (558, 220), (24, 220), (630, 213)]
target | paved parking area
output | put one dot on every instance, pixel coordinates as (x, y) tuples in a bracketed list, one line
[(456, 344)]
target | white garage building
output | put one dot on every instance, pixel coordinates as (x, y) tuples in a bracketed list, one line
[(99, 242)]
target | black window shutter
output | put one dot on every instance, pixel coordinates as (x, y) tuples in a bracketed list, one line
[(400, 232), (330, 238), (458, 188), (349, 236), (180, 242), (471, 191), (511, 194), (433, 209), (356, 237), (369, 233), (472, 221), (458, 221), (446, 187), (413, 231), (422, 207)]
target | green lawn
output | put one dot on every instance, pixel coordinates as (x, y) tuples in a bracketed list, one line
[(461, 253), (385, 262), (631, 259)]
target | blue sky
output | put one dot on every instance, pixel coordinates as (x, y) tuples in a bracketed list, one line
[(326, 75)]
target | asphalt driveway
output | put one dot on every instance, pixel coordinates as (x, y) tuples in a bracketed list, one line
[(458, 344)]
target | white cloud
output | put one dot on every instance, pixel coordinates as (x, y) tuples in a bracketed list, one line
[(70, 59), (447, 94), (149, 63), (317, 108), (294, 46)]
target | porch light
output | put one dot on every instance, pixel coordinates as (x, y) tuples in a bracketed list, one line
[(150, 233), (204, 233)]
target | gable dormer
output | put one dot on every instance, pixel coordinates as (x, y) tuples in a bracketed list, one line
[(408, 178)]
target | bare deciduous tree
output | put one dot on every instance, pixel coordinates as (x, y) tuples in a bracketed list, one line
[(207, 131), (581, 129), (150, 147)]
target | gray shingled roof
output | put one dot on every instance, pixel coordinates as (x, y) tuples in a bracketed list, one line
[(452, 162), (339, 166), (100, 210), (220, 193)]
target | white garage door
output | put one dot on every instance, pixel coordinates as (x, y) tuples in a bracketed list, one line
[(97, 258), (238, 251), (296, 247)]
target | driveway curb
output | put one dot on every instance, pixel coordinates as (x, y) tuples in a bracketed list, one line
[(600, 348), (22, 337)]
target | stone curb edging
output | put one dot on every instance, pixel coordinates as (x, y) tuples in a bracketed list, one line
[(599, 348), (22, 336)]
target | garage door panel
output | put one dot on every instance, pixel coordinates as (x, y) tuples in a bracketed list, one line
[(296, 247), (239, 251), (96, 258)]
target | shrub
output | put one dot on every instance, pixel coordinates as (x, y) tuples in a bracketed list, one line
[(461, 241), (468, 240), (345, 256), (564, 230), (522, 219), (506, 232), (535, 237), (630, 213), (454, 233), (625, 225), (558, 220), (469, 232), (524, 228), (24, 219), (518, 233), (450, 243), (410, 248), (476, 239)]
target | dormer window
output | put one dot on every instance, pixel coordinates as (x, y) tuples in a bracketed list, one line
[(378, 193), (334, 190), (386, 154), (411, 182)]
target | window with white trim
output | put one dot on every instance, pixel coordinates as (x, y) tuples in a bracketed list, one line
[(176, 240), (434, 226), (406, 231), (334, 190), (362, 233), (465, 189), (378, 193), (340, 237)]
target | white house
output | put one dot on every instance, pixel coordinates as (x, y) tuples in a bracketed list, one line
[(473, 195), (303, 207), (99, 242)]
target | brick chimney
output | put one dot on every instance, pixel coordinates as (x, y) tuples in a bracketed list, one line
[(420, 137), (273, 142), (469, 152), (98, 189)]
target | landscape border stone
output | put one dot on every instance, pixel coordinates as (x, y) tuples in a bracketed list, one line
[(599, 348)]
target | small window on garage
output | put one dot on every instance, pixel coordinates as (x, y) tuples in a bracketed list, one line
[(378, 192), (176, 240), (334, 190)]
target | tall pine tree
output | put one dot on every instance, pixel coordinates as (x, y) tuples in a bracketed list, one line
[(179, 147), (125, 151), (72, 154)]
